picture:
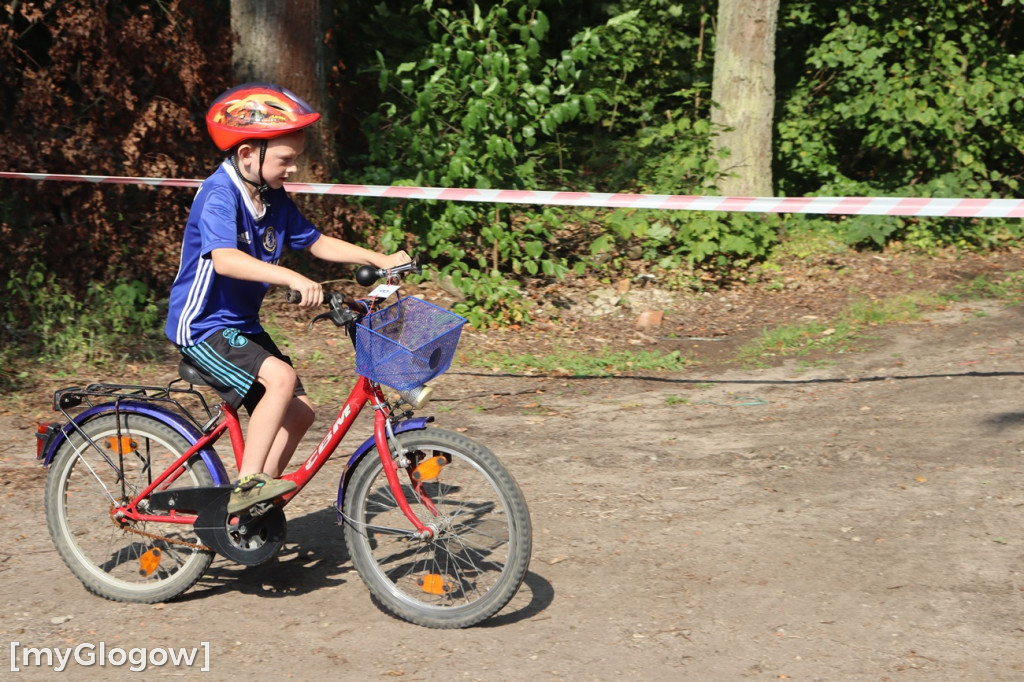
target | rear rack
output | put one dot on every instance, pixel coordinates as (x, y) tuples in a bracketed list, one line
[(171, 395)]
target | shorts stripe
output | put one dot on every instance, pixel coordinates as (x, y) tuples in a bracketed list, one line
[(217, 366)]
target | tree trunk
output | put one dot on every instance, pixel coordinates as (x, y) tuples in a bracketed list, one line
[(743, 89), (284, 43)]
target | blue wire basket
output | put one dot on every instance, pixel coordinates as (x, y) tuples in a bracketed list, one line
[(407, 344)]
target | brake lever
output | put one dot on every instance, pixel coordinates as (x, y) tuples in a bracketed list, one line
[(321, 316), (341, 313)]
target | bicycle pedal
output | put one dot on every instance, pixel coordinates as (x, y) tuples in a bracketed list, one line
[(149, 562), (257, 510), (237, 523)]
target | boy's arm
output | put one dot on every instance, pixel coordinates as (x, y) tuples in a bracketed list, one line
[(239, 265), (339, 251)]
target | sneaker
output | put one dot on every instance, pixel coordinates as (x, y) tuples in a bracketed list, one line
[(257, 488)]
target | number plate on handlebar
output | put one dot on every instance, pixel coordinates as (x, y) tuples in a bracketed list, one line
[(383, 291)]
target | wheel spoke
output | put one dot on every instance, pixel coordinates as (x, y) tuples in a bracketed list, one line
[(84, 487), (479, 553), (78, 453)]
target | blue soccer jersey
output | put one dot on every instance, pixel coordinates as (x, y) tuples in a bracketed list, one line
[(223, 216)]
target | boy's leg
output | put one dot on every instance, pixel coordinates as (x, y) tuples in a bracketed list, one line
[(297, 420), (251, 370), (267, 419), (266, 422)]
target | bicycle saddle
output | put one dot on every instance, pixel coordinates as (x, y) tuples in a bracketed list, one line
[(191, 373)]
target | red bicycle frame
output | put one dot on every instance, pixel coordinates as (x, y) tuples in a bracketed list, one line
[(363, 393)]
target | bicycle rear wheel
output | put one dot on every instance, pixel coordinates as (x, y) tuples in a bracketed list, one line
[(122, 560), (480, 552)]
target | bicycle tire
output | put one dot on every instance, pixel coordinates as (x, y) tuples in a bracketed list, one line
[(480, 553), (110, 559)]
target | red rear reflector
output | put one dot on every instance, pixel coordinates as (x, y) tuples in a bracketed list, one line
[(44, 432)]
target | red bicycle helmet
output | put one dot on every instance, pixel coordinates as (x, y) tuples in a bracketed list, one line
[(256, 111)]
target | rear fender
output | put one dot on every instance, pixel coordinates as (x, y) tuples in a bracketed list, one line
[(179, 423), (417, 424)]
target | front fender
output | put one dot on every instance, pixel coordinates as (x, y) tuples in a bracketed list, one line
[(179, 423), (416, 424)]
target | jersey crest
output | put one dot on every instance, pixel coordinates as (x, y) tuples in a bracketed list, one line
[(270, 240)]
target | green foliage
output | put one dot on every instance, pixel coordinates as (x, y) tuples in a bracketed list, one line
[(655, 136), (653, 79), (480, 107), (480, 104), (907, 100), (47, 322), (874, 98), (716, 241), (488, 102), (489, 296)]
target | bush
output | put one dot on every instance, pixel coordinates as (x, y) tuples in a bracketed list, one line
[(50, 323), (906, 100)]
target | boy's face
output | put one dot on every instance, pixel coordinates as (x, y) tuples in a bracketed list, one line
[(280, 161)]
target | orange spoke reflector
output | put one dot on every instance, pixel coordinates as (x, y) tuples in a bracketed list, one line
[(432, 583), (429, 469), (126, 444), (149, 561)]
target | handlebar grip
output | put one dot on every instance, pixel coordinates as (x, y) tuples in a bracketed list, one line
[(293, 296)]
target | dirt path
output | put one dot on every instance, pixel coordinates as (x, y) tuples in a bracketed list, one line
[(856, 521)]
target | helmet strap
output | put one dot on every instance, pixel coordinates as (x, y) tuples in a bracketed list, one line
[(262, 188)]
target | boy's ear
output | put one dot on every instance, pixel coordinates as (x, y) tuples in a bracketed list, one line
[(245, 150)]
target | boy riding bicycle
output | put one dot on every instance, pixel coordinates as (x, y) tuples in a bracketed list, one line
[(240, 224)]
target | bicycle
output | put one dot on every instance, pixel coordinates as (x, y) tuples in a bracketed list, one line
[(437, 528)]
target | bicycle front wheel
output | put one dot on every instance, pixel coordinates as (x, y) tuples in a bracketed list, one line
[(480, 552), (120, 559)]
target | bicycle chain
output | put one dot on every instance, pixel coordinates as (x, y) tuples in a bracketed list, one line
[(154, 536)]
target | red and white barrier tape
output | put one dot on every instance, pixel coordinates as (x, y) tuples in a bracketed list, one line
[(893, 206)]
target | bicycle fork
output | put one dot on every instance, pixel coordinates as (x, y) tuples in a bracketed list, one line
[(384, 434)]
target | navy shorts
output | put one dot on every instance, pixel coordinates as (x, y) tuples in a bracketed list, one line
[(230, 361)]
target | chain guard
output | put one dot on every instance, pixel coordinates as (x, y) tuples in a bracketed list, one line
[(254, 538)]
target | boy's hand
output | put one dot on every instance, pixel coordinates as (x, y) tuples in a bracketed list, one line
[(395, 259), (312, 292)]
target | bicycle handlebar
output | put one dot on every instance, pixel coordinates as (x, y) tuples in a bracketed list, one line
[(367, 275)]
